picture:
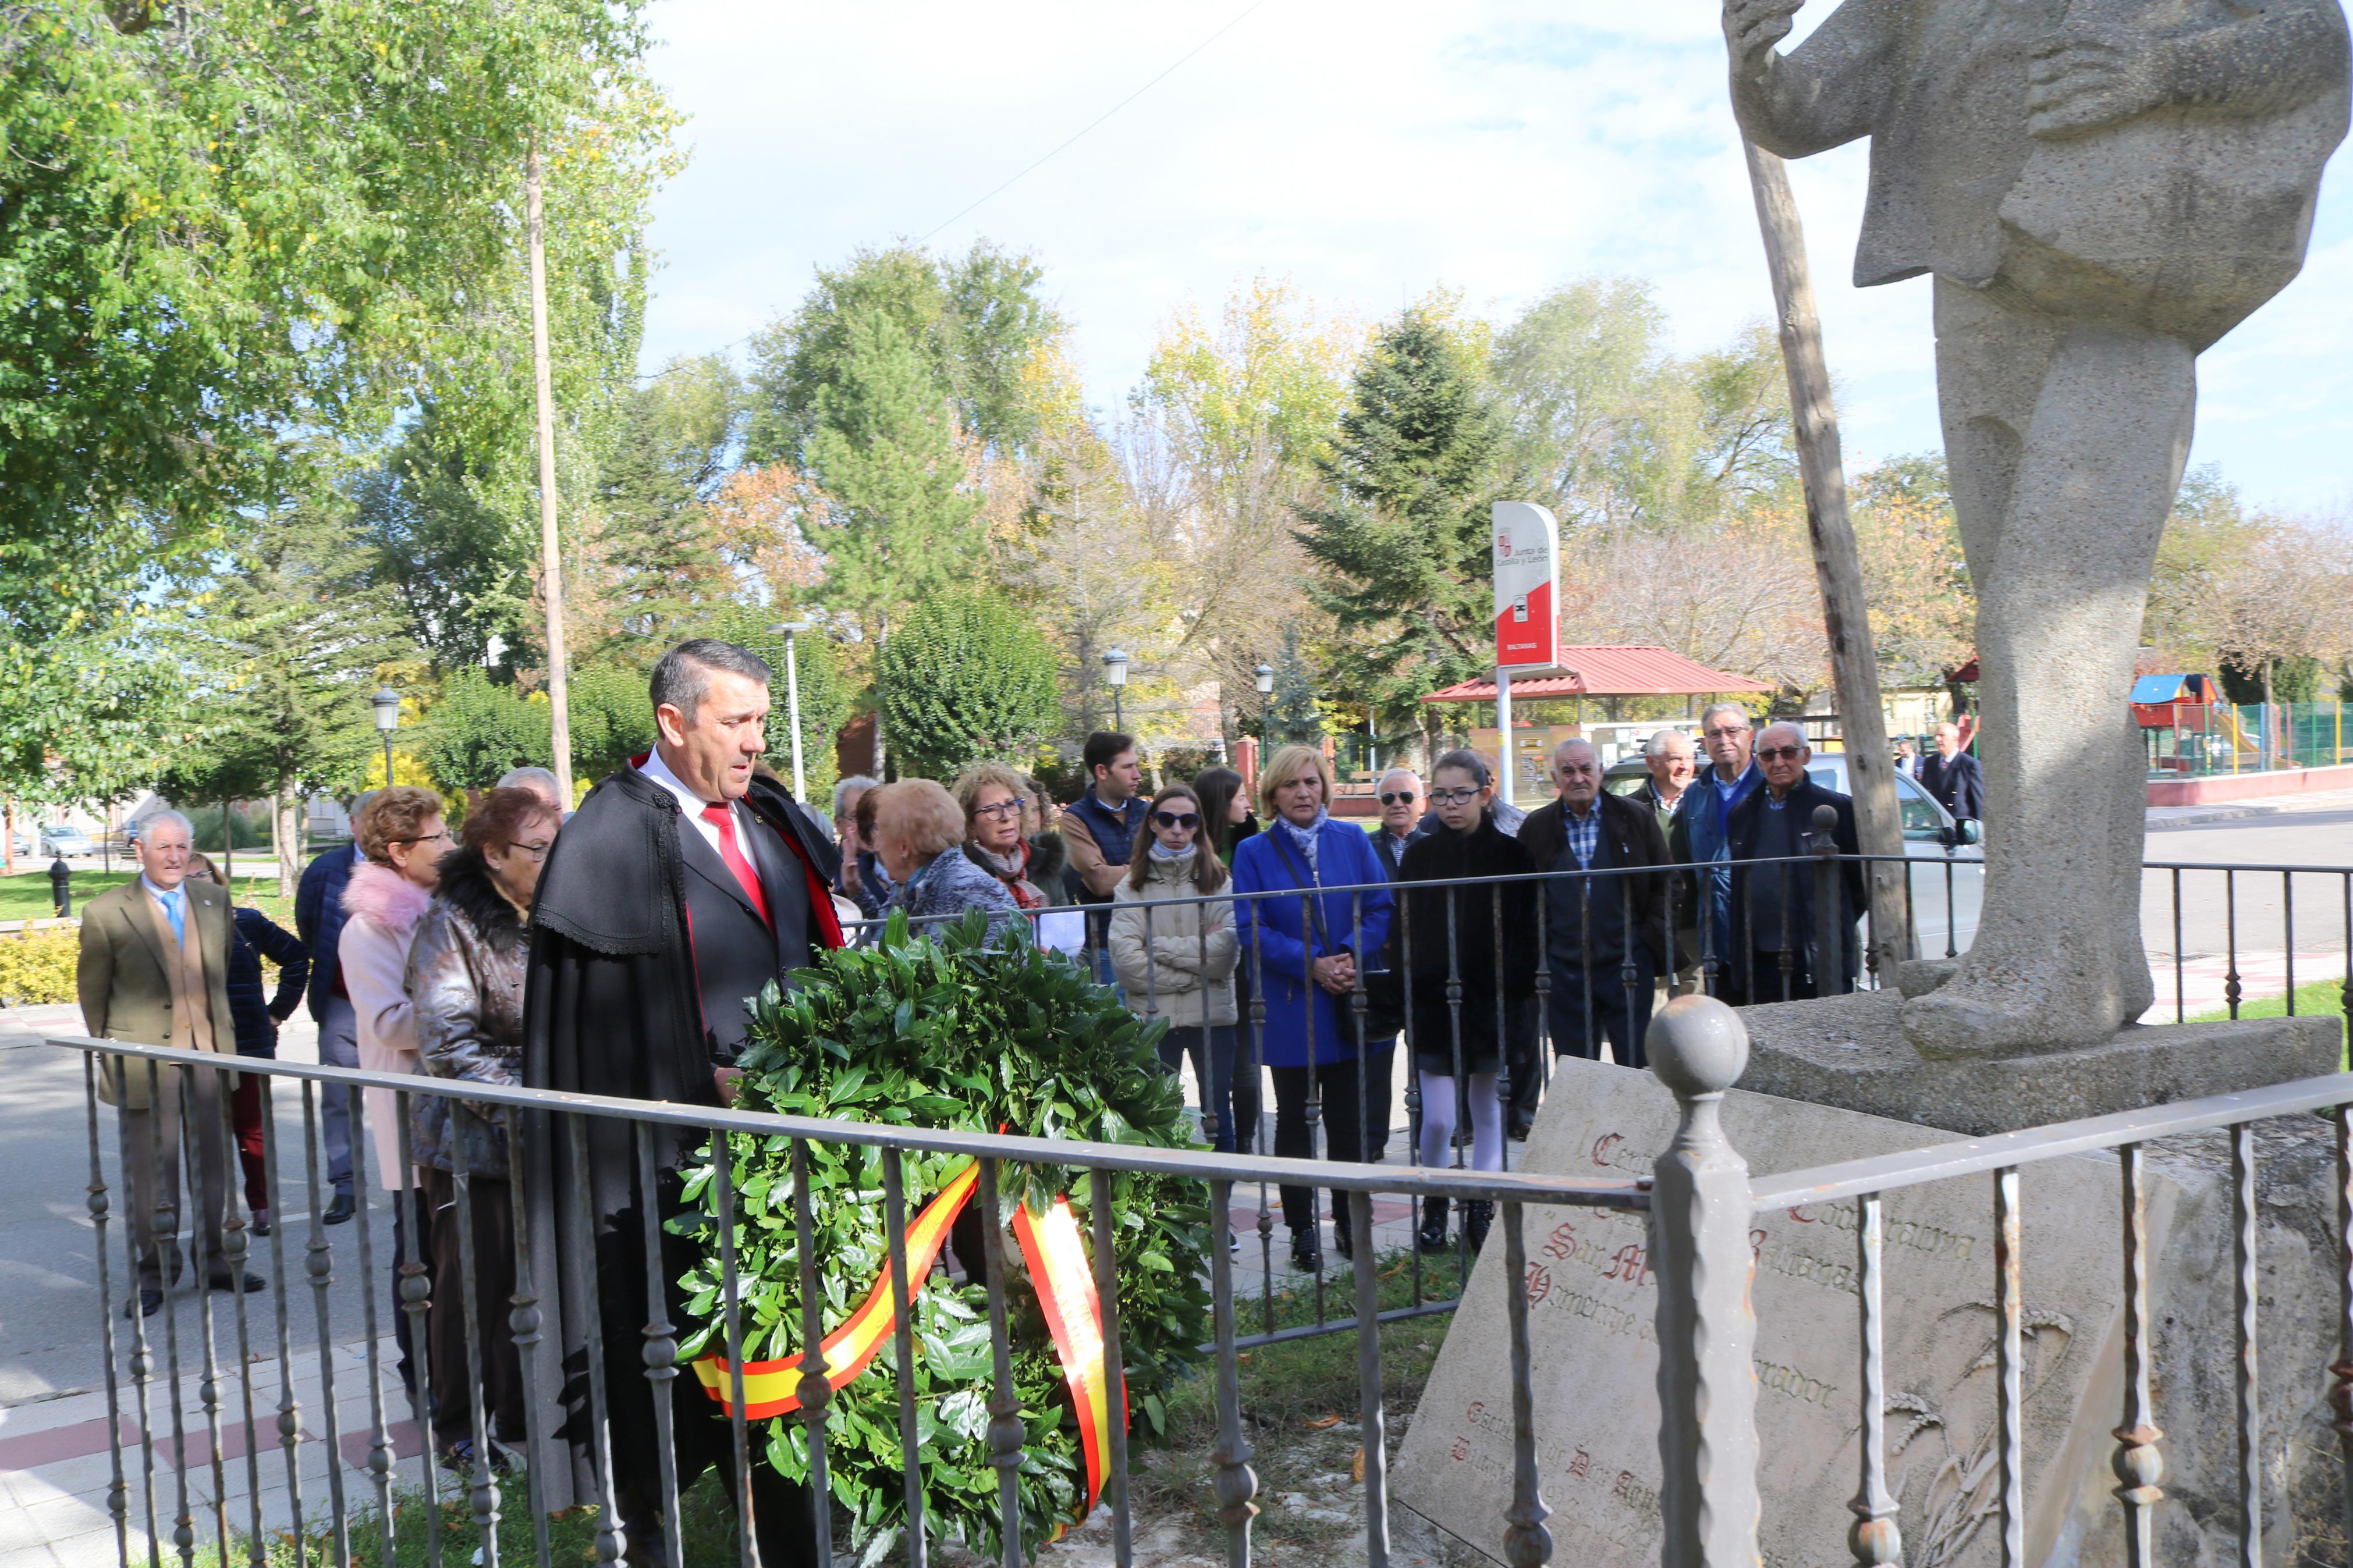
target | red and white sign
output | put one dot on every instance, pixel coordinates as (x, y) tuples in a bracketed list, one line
[(1527, 584)]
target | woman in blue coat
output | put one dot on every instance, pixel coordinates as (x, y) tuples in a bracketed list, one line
[(1304, 956)]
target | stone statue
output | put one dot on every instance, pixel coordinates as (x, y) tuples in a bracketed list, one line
[(2100, 188)]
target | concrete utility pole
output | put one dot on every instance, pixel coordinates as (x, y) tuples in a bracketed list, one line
[(551, 553), (1838, 563)]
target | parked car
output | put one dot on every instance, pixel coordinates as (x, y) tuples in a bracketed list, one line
[(58, 839), (1947, 859)]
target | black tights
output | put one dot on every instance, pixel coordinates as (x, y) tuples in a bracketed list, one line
[(1354, 1129)]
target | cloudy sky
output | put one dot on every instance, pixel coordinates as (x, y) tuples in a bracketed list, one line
[(1367, 151)]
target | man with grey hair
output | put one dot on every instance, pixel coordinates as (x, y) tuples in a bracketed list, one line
[(1776, 956), (1697, 837), (153, 970), (1402, 801), (1673, 761), (684, 886), (538, 781), (1605, 926)]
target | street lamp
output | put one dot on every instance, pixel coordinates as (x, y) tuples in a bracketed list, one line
[(793, 699), (1264, 677), (387, 703), (1116, 671)]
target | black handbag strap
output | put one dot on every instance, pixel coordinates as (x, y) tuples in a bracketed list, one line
[(1283, 846)]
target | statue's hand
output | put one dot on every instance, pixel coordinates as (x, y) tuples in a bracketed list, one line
[(1751, 29), (2084, 77)]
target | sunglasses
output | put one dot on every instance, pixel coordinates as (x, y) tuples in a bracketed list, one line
[(1775, 753), (1398, 797), (1185, 819)]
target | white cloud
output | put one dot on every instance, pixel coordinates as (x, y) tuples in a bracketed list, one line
[(1367, 151)]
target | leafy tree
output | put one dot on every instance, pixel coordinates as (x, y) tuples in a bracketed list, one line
[(975, 326), (899, 531), (1403, 552), (968, 676), (461, 569), (291, 637), (230, 218), (667, 460), (612, 720), (476, 730)]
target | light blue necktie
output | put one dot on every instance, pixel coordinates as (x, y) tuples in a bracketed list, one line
[(174, 904)]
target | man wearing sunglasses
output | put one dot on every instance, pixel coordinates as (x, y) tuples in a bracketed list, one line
[(1774, 955), (1402, 824)]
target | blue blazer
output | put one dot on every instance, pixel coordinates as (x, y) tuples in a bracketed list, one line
[(1286, 941)]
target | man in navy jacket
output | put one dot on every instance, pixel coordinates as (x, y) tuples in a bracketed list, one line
[(1953, 776)]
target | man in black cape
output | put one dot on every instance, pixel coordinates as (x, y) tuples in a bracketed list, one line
[(686, 882)]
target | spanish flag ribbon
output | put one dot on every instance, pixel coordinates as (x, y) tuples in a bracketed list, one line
[(772, 1387), (1066, 1291)]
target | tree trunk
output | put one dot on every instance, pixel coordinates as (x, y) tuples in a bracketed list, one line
[(2271, 718), (551, 553), (881, 633), (1837, 565), (228, 848), (286, 831)]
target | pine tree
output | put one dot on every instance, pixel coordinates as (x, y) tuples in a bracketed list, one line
[(1292, 718), (1404, 556)]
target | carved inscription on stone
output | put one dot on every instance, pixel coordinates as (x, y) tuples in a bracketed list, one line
[(1592, 1300)]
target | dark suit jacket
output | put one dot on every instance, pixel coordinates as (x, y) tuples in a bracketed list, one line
[(1631, 831), (1391, 853), (1958, 784), (1741, 834), (735, 952)]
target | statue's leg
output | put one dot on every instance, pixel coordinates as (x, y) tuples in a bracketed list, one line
[(2065, 505)]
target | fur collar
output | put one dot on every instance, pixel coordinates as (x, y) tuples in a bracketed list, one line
[(468, 888), (385, 897)]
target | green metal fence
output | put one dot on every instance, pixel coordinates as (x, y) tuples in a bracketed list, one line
[(2197, 740)]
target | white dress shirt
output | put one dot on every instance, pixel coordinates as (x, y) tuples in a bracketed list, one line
[(693, 804)]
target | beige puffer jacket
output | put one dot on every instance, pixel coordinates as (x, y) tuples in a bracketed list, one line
[(1174, 974)]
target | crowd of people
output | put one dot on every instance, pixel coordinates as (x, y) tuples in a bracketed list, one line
[(613, 951)]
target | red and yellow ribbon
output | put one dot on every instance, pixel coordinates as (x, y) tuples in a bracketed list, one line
[(1066, 1291), (772, 1387)]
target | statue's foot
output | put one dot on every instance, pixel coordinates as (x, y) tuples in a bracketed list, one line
[(1990, 1010)]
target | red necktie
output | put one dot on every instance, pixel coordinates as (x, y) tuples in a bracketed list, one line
[(723, 819)]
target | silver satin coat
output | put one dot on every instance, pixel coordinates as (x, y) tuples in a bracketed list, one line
[(466, 984)]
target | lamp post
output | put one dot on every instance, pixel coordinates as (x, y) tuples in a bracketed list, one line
[(793, 699), (1265, 677), (1116, 671), (387, 703)]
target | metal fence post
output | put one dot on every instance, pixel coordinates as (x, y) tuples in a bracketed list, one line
[(1700, 1253), (1829, 912)]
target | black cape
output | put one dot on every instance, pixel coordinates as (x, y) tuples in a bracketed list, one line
[(611, 1008)]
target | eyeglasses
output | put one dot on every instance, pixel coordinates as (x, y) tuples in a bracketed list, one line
[(1775, 753), (1398, 797), (1452, 796), (1184, 819), (422, 838), (1724, 734), (534, 851), (1002, 808)]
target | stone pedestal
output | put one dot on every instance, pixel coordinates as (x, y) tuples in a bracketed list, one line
[(1595, 1357), (1851, 1052)]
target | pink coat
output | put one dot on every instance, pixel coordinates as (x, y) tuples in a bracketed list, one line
[(385, 908)]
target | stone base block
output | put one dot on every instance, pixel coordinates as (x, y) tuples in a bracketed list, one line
[(1850, 1052)]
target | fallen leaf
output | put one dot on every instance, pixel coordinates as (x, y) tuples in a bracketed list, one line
[(1356, 1470), (1322, 1423)]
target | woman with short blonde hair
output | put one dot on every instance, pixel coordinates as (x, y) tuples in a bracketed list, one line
[(1305, 948), (919, 834)]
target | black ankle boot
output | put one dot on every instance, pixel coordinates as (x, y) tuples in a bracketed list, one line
[(1477, 1215), (1306, 1255), (1432, 1235)]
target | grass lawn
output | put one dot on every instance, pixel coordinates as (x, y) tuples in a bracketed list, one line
[(2324, 998), (1299, 1405), (26, 895)]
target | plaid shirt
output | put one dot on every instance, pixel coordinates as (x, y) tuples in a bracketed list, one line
[(1583, 833)]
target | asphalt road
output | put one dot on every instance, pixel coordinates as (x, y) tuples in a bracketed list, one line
[(50, 1306)]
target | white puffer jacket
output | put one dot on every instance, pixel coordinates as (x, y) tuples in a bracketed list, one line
[(1174, 974)]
